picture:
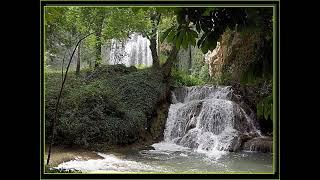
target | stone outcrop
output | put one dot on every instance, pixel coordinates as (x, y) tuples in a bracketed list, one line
[(234, 53), (261, 144), (220, 55), (214, 59)]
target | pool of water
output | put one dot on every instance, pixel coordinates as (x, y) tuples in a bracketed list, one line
[(171, 158)]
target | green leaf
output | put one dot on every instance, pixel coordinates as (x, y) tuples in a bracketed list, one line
[(165, 34), (205, 46), (193, 33), (181, 18), (185, 40), (192, 41), (179, 38), (171, 35)]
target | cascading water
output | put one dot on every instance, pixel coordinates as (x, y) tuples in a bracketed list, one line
[(206, 119), (203, 124), (135, 51)]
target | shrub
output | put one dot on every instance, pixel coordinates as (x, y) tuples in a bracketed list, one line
[(107, 106), (181, 78)]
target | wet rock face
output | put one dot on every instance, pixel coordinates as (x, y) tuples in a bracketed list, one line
[(248, 97), (260, 144), (179, 94)]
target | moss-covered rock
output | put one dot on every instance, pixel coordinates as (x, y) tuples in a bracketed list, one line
[(112, 105)]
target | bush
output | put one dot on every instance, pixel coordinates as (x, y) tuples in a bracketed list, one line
[(181, 78), (108, 106)]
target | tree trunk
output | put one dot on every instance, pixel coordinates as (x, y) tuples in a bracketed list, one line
[(65, 53), (167, 66), (153, 48), (155, 19), (98, 49), (190, 60), (98, 43), (78, 61)]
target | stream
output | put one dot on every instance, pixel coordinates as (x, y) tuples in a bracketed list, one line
[(206, 132), (171, 158)]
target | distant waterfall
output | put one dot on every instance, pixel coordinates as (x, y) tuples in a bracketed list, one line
[(206, 119), (135, 51)]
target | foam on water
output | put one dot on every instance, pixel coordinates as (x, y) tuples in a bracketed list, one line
[(109, 163), (168, 146)]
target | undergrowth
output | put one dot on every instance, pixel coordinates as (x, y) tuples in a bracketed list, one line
[(110, 105), (181, 78)]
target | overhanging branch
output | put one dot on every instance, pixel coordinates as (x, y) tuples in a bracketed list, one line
[(58, 101)]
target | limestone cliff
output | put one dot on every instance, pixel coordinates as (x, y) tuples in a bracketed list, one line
[(236, 53)]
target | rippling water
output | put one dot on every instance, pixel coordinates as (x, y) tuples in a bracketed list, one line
[(172, 158)]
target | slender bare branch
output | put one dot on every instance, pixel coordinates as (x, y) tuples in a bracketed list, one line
[(58, 101)]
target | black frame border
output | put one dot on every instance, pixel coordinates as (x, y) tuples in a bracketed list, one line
[(276, 163)]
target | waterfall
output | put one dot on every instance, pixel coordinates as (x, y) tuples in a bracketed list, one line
[(135, 51), (206, 118)]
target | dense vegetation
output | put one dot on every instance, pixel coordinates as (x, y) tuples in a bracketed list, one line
[(110, 105), (103, 105)]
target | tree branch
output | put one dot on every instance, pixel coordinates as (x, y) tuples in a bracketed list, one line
[(166, 67), (58, 101)]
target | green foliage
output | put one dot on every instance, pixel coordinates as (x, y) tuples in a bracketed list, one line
[(162, 58), (108, 106), (180, 36), (225, 79), (265, 108), (166, 33), (252, 75), (140, 66), (181, 78), (123, 21), (200, 69), (210, 23)]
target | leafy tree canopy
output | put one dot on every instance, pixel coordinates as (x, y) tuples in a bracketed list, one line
[(205, 25)]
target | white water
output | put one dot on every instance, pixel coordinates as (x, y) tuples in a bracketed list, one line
[(109, 163), (135, 51), (203, 125), (207, 120)]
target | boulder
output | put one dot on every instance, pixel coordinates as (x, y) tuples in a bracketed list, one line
[(260, 144)]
